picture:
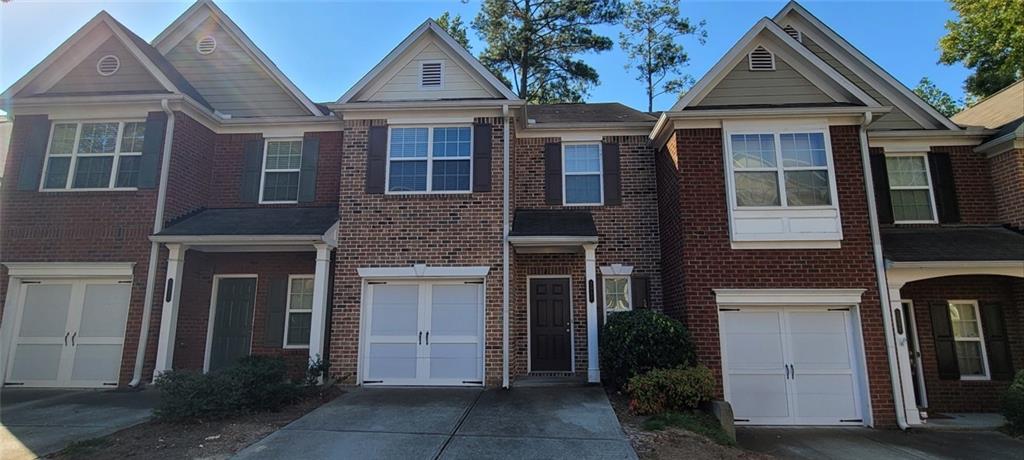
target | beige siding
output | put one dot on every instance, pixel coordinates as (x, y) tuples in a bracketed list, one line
[(784, 85), (131, 76), (229, 78), (897, 119), (404, 84), (995, 111)]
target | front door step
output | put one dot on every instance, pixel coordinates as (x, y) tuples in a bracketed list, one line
[(549, 379)]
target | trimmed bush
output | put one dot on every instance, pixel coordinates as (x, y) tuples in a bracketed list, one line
[(1013, 404), (255, 384), (663, 390), (636, 342)]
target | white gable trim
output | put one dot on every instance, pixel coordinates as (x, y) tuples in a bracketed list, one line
[(195, 16), (788, 296), (863, 62), (736, 53), (454, 47)]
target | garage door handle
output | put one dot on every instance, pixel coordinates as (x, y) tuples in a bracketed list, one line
[(419, 341), (66, 334), (73, 338), (428, 337)]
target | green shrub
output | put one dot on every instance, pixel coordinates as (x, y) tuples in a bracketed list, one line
[(1013, 404), (698, 422), (636, 342), (255, 384), (663, 390)]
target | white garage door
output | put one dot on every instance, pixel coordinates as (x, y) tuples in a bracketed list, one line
[(69, 333), (790, 366), (423, 333)]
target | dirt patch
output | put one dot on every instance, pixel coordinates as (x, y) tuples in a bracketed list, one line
[(671, 442), (217, 439)]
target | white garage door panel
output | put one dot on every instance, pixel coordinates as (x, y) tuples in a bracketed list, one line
[(754, 340), (392, 361), (759, 396), (821, 399), (35, 363), (45, 312)]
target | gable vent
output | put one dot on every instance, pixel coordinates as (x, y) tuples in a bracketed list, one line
[(793, 33), (108, 65), (761, 59), (430, 75), (206, 45)]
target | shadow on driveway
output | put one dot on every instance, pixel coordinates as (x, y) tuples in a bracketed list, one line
[(871, 444)]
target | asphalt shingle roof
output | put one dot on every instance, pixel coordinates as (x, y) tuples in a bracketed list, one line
[(255, 221), (601, 112), (552, 222), (947, 244)]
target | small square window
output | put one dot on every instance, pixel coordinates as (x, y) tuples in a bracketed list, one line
[(617, 294)]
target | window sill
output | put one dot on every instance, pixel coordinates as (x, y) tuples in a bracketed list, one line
[(582, 205), (447, 192), (73, 190), (788, 244), (915, 222), (279, 202), (975, 378), (295, 347)]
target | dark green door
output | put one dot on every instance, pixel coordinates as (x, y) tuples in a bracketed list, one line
[(232, 321)]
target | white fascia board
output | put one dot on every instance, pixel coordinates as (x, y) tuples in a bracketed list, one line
[(616, 270), (239, 239), (58, 56), (524, 241), (69, 269), (796, 297), (584, 132), (423, 271)]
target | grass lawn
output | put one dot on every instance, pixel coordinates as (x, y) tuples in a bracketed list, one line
[(697, 422)]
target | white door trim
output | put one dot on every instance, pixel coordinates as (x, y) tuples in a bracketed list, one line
[(213, 314), (908, 306), (572, 322)]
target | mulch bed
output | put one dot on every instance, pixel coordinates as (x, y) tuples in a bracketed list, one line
[(217, 439)]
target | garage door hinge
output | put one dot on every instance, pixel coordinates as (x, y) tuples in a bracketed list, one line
[(474, 282), (110, 384), (373, 381), (125, 282), (741, 419), (728, 309), (474, 382), (839, 309), (31, 282), (12, 384), (844, 420), (376, 282)]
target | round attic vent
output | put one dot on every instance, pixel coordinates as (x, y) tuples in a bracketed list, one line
[(108, 65), (206, 45)]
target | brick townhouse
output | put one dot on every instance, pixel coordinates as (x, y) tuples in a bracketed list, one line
[(841, 253)]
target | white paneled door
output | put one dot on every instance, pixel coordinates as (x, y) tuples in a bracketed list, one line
[(423, 333), (790, 366), (69, 333)]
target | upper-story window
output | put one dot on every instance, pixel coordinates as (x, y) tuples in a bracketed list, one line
[(780, 169), (281, 170), (94, 155), (910, 188), (426, 159), (582, 170)]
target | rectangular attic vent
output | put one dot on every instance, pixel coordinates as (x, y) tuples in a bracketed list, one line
[(761, 59), (430, 75)]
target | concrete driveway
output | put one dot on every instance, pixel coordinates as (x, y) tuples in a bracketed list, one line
[(865, 443), (431, 423), (35, 422)]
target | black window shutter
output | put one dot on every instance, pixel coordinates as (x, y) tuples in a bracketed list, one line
[(482, 157), (553, 173), (997, 345), (152, 148), (277, 302), (883, 200), (945, 346), (943, 187), (34, 151), (641, 292), (307, 172), (612, 174), (376, 159), (252, 163)]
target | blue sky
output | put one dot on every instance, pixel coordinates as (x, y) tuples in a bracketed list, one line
[(326, 46)]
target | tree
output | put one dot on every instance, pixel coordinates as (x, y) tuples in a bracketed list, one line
[(535, 44), (455, 27), (653, 28), (987, 37), (938, 98)]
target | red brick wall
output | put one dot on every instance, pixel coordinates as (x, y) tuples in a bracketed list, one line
[(1007, 171), (191, 178), (709, 263), (966, 395), (670, 223), (974, 192)]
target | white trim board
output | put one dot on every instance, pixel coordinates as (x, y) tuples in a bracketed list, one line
[(423, 271), (69, 269), (788, 297)]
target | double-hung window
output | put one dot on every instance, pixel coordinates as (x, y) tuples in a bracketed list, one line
[(94, 155), (423, 159), (617, 294), (910, 188), (581, 167), (299, 312), (781, 169), (967, 335), (281, 171)]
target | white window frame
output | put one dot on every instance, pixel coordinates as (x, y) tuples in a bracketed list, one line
[(288, 311), (979, 339), (600, 173), (430, 161), (117, 154), (780, 169), (431, 88), (929, 189), (604, 293), (264, 170)]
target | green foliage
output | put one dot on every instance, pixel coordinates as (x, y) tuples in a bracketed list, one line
[(535, 45), (1013, 404), (638, 341), (316, 370), (663, 390), (987, 37), (938, 98), (455, 27), (698, 422), (255, 384), (653, 28)]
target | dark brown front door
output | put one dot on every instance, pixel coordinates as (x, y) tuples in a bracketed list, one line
[(550, 325)]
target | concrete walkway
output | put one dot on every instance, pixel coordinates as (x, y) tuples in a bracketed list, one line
[(865, 443), (431, 423), (35, 422)]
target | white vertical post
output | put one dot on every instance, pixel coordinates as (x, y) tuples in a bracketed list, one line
[(900, 325), (169, 315), (593, 367), (318, 321)]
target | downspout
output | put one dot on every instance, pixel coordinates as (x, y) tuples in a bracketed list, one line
[(504, 251), (883, 286), (154, 248)]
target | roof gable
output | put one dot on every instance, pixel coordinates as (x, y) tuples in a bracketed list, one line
[(396, 76), (131, 75), (996, 110), (784, 85)]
